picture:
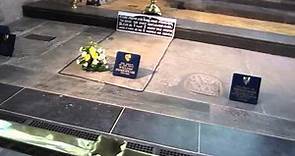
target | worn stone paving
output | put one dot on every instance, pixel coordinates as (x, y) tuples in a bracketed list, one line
[(165, 132), (37, 68), (277, 90), (185, 58)]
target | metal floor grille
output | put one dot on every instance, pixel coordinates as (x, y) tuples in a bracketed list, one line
[(140, 147), (171, 153), (64, 130)]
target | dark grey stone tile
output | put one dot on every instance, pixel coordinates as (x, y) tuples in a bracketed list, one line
[(6, 91), (182, 108), (159, 129), (217, 140), (64, 109), (25, 25), (21, 76), (6, 152)]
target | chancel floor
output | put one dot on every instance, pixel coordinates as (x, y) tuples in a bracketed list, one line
[(167, 113)]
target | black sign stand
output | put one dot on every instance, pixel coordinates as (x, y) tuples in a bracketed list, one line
[(126, 65), (245, 88)]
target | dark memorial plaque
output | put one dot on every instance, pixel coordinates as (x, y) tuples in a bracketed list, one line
[(7, 41), (245, 88), (40, 37), (126, 65), (93, 2), (139, 23)]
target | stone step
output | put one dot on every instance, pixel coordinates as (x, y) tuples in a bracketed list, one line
[(277, 11), (275, 4), (238, 37)]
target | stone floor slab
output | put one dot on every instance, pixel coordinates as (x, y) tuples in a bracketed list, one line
[(151, 49), (220, 141), (158, 129), (35, 73), (7, 91), (55, 59), (172, 106), (185, 58), (62, 31), (22, 76), (71, 86), (278, 87), (64, 109)]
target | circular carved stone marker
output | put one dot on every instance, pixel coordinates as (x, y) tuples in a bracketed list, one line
[(203, 84)]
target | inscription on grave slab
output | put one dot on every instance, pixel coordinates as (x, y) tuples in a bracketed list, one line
[(139, 23), (245, 88), (203, 84), (126, 65)]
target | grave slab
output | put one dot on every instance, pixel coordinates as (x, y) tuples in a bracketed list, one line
[(186, 58), (278, 87), (151, 49)]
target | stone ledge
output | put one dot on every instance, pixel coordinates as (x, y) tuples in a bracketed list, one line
[(265, 42)]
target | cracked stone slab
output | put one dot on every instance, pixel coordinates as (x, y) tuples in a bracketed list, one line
[(55, 59), (151, 49), (21, 76), (25, 25), (184, 58), (62, 31), (112, 94), (278, 87), (71, 86)]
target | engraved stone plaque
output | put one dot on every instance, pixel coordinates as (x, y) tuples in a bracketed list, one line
[(203, 84)]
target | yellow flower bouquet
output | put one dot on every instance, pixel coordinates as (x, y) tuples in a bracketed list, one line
[(93, 58)]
